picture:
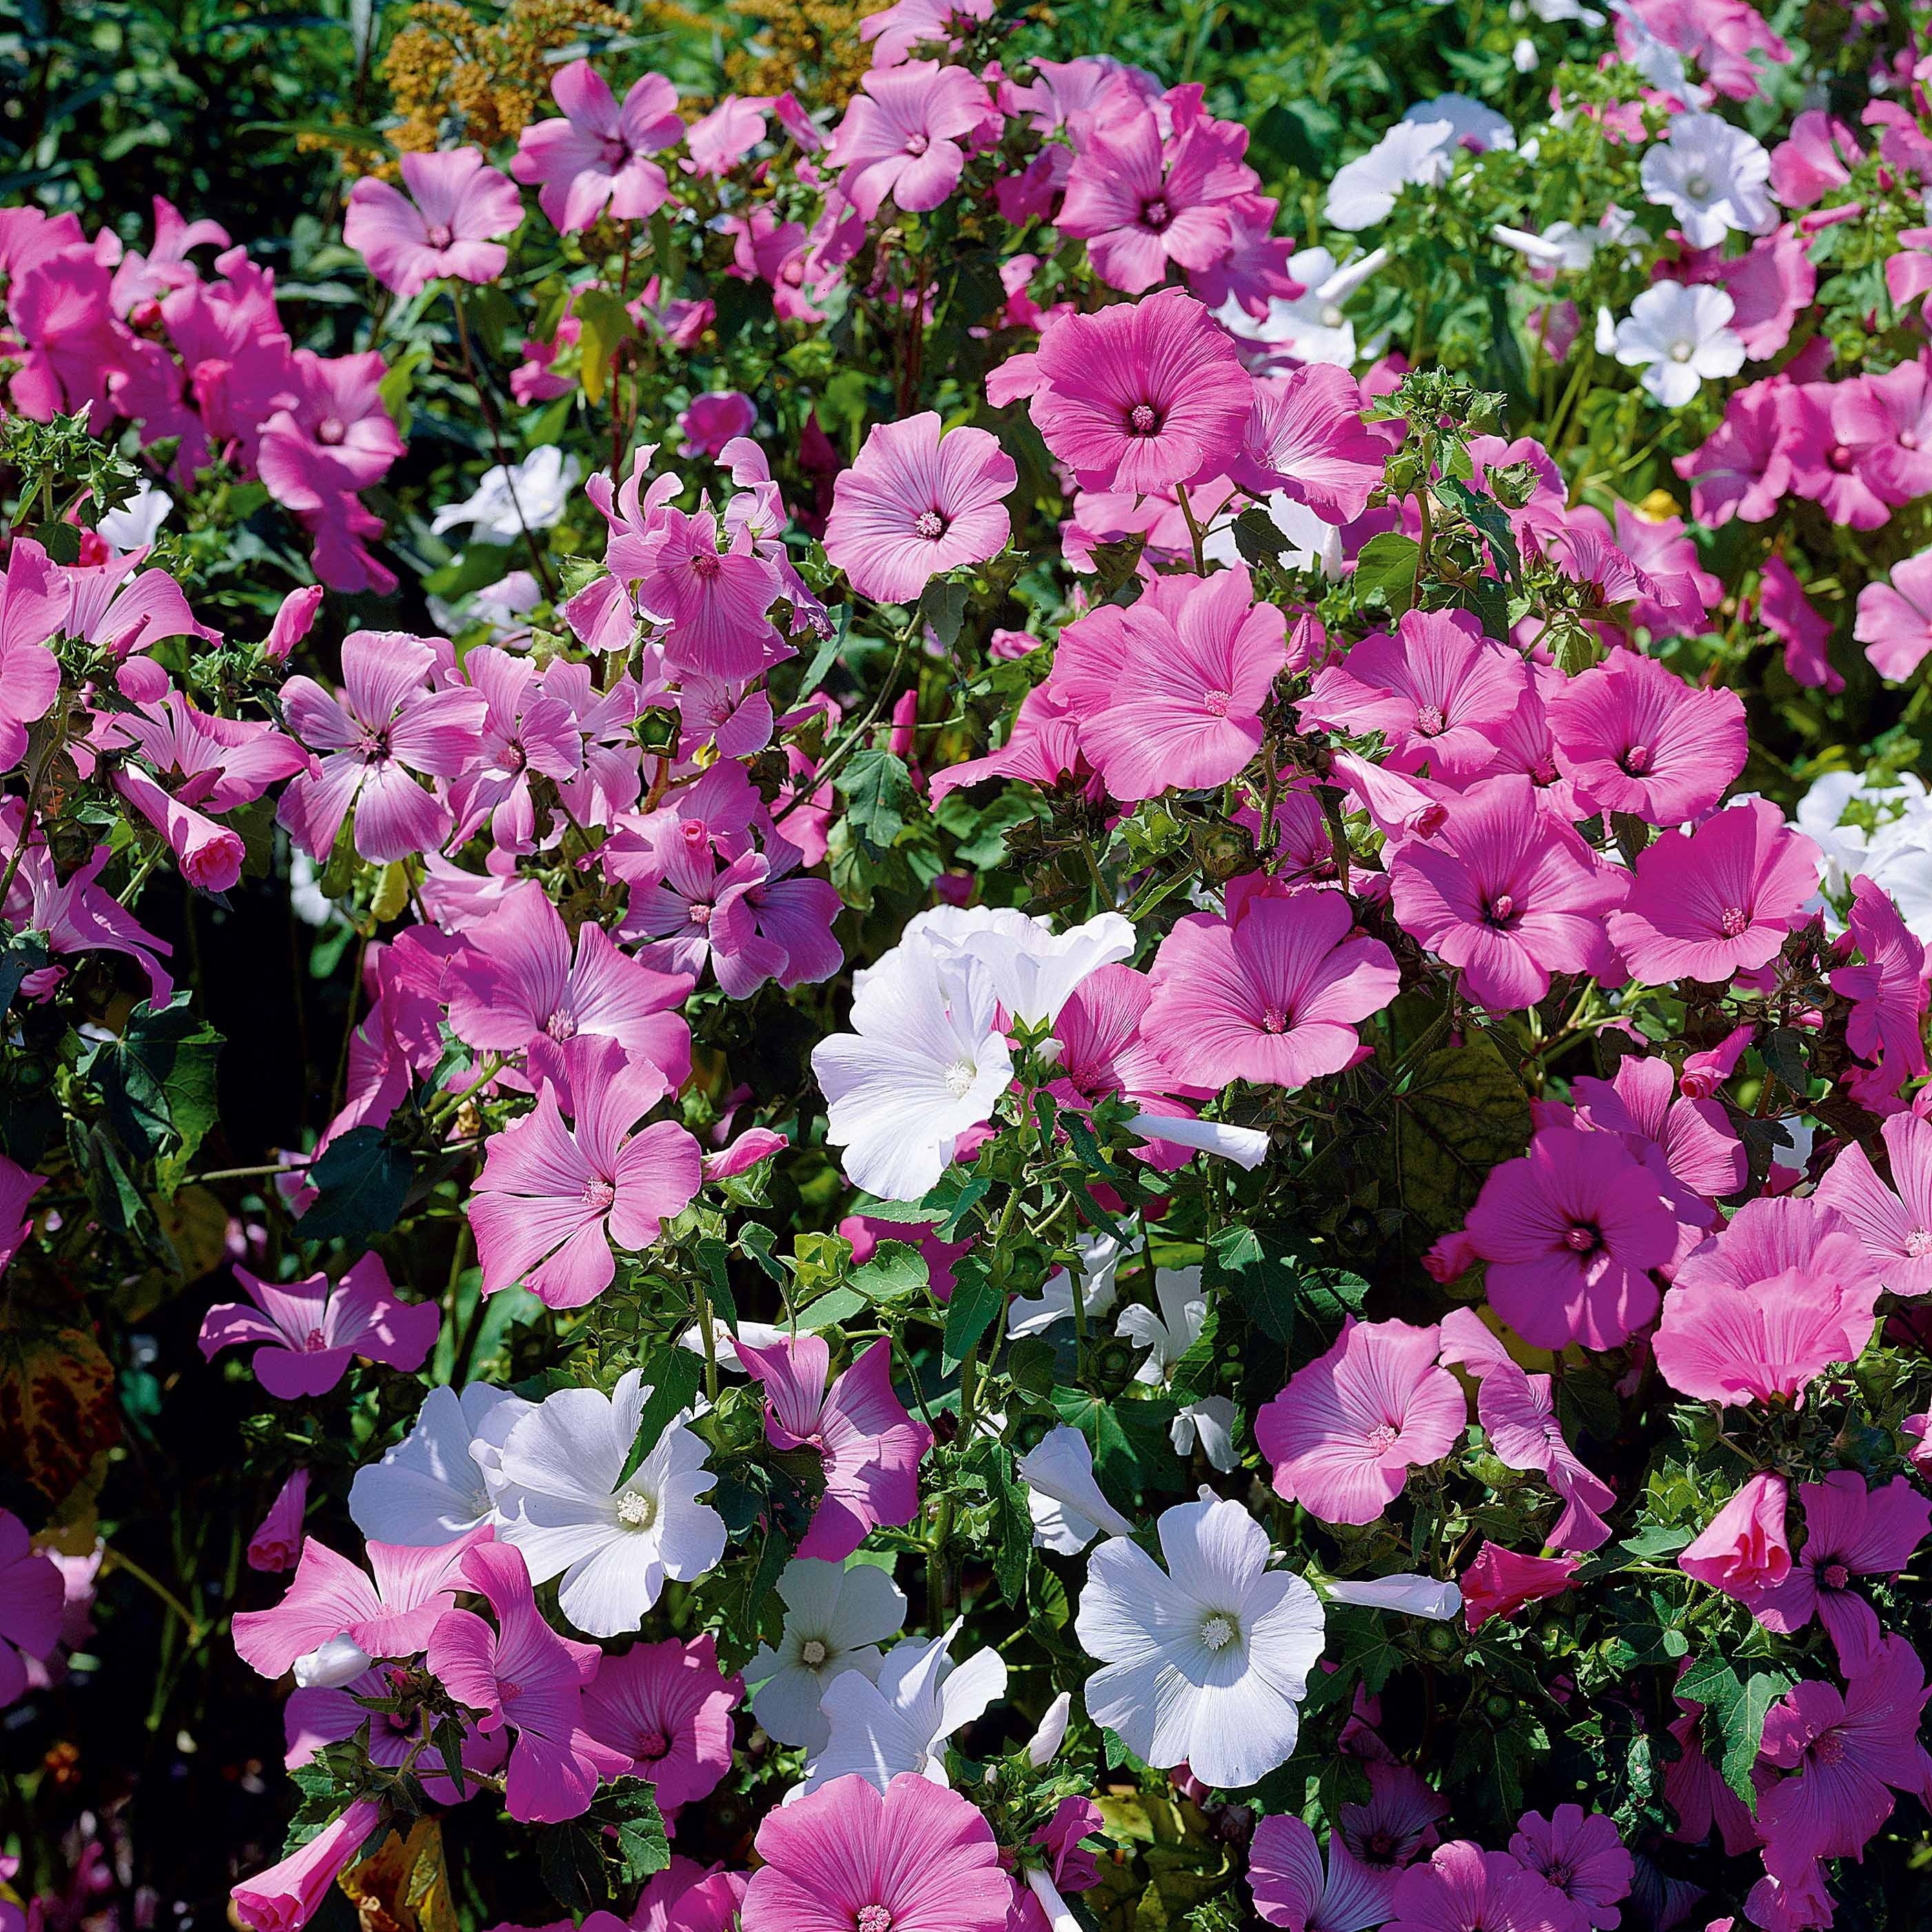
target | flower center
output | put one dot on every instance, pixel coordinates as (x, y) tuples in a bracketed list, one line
[(439, 236), (331, 429), (1836, 1576), (1219, 1630), (1218, 702), (1382, 1438), (916, 144), (1275, 1020), (636, 1510), (1697, 186), (959, 1078), (875, 1919), (1582, 1238), (812, 1653), (1430, 721), (1143, 419), (1734, 921), (705, 564), (701, 913), (1502, 910), (1637, 761), (929, 524), (561, 1026), (1682, 352), (1155, 212), (599, 1195), (615, 152), (1838, 457), (314, 1341), (1830, 1749), (653, 1746), (1918, 1243)]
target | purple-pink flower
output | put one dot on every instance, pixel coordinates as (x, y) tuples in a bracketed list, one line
[(668, 1708), (905, 136), (446, 225), (31, 1597), (595, 157)]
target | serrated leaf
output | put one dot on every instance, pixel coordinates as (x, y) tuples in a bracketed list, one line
[(1386, 571), (361, 1183), (896, 1269), (878, 792), (976, 1301)]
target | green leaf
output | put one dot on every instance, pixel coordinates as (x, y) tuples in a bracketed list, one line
[(977, 1300), (840, 1305), (157, 1080), (943, 605), (716, 1256), (1013, 1521), (673, 1374), (361, 1184), (26, 953), (828, 648), (605, 323), (1386, 571), (896, 1269), (1252, 1268), (1453, 1116), (1735, 1709), (878, 794), (956, 1201), (643, 1847)]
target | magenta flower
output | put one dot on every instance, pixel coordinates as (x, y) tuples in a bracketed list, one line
[(917, 504), (903, 136), (1707, 904), (286, 1896), (277, 1543), (1885, 422), (1292, 1888), (916, 1858), (1141, 395), (1273, 997), (712, 602), (1634, 736), (1894, 1223), (386, 727), (869, 1447), (1142, 204), (520, 1673), (1895, 619), (17, 1187), (1395, 1826), (333, 1618), (693, 911), (31, 1599), (446, 225), (309, 1328), (516, 981), (1760, 1309), (33, 597), (1690, 1136), (1571, 1232), (1438, 691), (553, 1199), (1500, 1582), (668, 1708), (1744, 469), (1744, 1548), (1306, 438), (1886, 1027), (1579, 1856), (1461, 1888), (1849, 1531), (1844, 1749), (1104, 1048), (713, 418), (1507, 892), (595, 157), (1346, 1432)]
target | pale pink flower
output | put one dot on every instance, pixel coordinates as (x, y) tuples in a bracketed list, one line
[(1273, 997), (1306, 438), (1346, 1432), (1791, 616), (1895, 619), (903, 136), (553, 1199), (713, 601), (1894, 1223), (1743, 1548), (917, 504), (1886, 1027), (309, 1329), (668, 1708), (446, 225), (33, 597), (276, 1543), (595, 157)]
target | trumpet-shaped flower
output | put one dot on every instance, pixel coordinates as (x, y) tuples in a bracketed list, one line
[(1894, 1223), (430, 1487), (903, 136), (1293, 1889)]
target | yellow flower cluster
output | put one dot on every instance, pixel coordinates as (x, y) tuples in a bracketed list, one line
[(810, 47)]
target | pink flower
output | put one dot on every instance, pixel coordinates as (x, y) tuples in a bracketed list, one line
[(1884, 423), (1770, 285), (1437, 691), (1634, 737), (1894, 1223), (719, 140), (1346, 1432), (1760, 1309), (17, 1187), (1507, 892), (521, 1674), (1743, 1548), (1499, 1582), (1788, 615), (594, 155), (1169, 693), (309, 1328), (1707, 904), (1141, 395), (277, 1544), (1849, 1531), (1518, 1413), (516, 981), (1895, 619), (668, 1708), (869, 1447), (917, 504), (446, 226), (1696, 1790), (899, 29), (1816, 157), (331, 1599), (713, 601), (1293, 1889), (1886, 1027), (209, 855), (1461, 1888), (552, 1199), (916, 1858), (1844, 1749), (1398, 1823), (1306, 438), (1579, 1856), (34, 599), (287, 1895), (714, 417), (1571, 1232), (1690, 1136), (902, 136), (1273, 997), (385, 727), (1141, 203), (32, 1598)]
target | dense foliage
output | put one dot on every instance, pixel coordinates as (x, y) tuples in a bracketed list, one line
[(965, 969)]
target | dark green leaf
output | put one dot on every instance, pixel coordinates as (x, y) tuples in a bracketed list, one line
[(976, 1300), (361, 1183)]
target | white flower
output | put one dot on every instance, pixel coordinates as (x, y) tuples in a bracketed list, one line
[(560, 1501), (1552, 11), (1414, 1596), (139, 521), (1412, 153), (1246, 1147), (925, 1062), (1888, 837), (753, 1334), (1564, 245), (1043, 1747), (901, 1722), (1312, 544), (835, 1619), (1206, 1661), (1168, 1335), (429, 1488), (1679, 335), (1312, 328), (1100, 1259), (1713, 177), (1471, 125), (1523, 55), (341, 1660), (1032, 969), (526, 496), (1063, 1496)]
